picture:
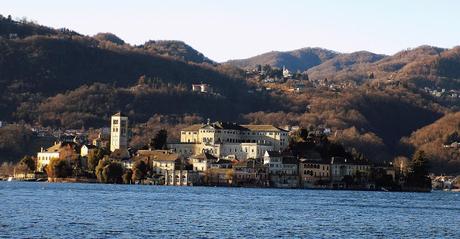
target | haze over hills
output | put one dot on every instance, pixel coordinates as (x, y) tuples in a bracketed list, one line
[(60, 78)]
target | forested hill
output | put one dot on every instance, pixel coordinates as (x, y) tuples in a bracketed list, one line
[(38, 62), (62, 79), (424, 66), (176, 49), (297, 60)]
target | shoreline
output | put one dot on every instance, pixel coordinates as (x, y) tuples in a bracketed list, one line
[(94, 181)]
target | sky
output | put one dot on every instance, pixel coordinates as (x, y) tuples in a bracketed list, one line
[(236, 29)]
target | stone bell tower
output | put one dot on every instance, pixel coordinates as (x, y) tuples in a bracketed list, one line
[(118, 132)]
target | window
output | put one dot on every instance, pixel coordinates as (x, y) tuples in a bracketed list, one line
[(115, 121)]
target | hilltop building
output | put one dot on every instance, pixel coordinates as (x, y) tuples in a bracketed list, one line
[(230, 140), (202, 88), (119, 132), (286, 73)]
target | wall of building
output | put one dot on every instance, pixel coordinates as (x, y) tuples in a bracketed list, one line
[(118, 133)]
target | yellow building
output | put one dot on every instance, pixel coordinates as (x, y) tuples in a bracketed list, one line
[(314, 172), (161, 160), (224, 139)]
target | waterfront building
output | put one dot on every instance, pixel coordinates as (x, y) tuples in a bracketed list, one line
[(202, 162), (282, 168), (66, 150), (218, 177), (161, 160), (250, 173), (221, 163), (314, 171), (118, 132), (122, 156), (341, 167), (229, 139), (181, 177)]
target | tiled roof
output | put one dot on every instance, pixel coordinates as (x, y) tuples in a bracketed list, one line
[(234, 126), (161, 155), (314, 160), (229, 126), (58, 146), (119, 114), (274, 153), (205, 156), (260, 127), (247, 164), (120, 154), (311, 155), (342, 160), (193, 127), (223, 161), (290, 160)]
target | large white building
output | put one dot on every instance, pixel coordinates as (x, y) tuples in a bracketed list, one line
[(119, 132), (229, 139), (65, 150)]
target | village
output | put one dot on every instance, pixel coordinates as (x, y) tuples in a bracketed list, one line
[(210, 154), (268, 78)]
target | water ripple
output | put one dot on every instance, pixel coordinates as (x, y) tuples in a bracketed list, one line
[(45, 210)]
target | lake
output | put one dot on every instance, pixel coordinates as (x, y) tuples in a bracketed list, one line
[(65, 210)]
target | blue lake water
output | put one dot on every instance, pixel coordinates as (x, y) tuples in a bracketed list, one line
[(47, 210)]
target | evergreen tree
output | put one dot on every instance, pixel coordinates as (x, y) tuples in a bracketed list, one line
[(28, 162), (159, 140), (419, 165), (139, 171), (418, 175)]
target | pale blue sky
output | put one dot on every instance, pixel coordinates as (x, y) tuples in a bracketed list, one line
[(232, 29)]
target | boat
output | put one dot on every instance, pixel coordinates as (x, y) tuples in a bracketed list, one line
[(9, 179)]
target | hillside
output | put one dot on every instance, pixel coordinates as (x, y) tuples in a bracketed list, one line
[(340, 66), (175, 49), (62, 79), (432, 139), (297, 60), (110, 37), (422, 66), (40, 66)]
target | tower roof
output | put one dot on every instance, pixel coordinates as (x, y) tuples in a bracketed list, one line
[(119, 114)]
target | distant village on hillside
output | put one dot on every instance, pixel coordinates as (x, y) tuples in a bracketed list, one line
[(216, 154)]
